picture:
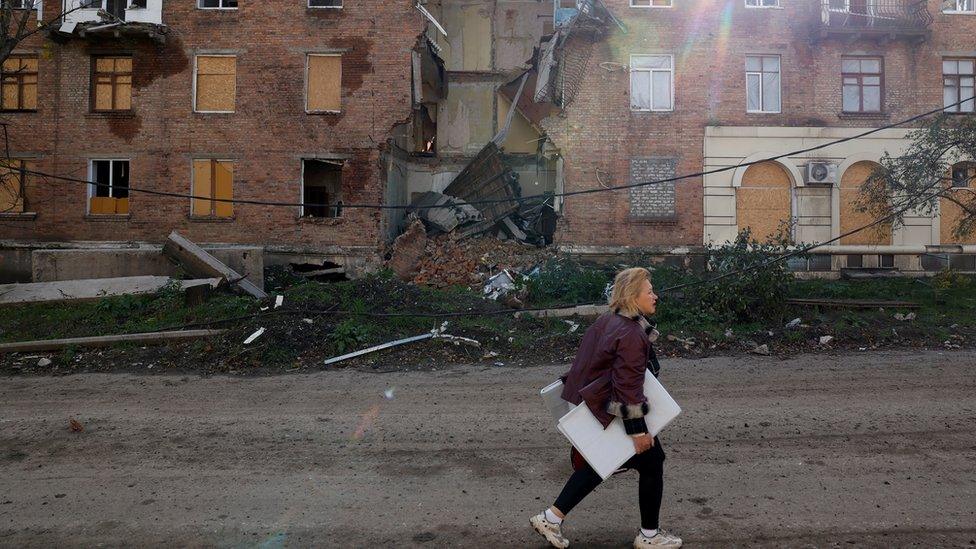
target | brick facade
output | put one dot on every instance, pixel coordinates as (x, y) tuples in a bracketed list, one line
[(267, 137), (600, 137)]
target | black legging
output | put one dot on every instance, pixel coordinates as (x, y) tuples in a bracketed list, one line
[(649, 464)]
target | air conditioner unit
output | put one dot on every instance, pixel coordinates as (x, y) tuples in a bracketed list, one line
[(821, 173)]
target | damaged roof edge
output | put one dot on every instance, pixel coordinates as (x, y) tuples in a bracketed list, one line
[(430, 18)]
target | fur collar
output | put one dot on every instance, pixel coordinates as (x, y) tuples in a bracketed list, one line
[(649, 329)]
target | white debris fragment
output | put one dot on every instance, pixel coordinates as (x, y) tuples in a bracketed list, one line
[(279, 300), (573, 326), (793, 323), (307, 320), (824, 340), (44, 362), (761, 350), (729, 333), (906, 318), (254, 336)]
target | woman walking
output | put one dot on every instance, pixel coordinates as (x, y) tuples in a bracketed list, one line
[(608, 375)]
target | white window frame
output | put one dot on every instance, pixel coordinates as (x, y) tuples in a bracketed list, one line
[(91, 179), (194, 91), (760, 73), (652, 71), (958, 10), (311, 7), (670, 5), (758, 4), (220, 8), (322, 54)]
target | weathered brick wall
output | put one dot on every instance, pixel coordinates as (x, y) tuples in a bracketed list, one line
[(267, 136), (600, 136)]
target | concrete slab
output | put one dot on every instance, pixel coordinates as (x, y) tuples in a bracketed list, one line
[(90, 263), (84, 290)]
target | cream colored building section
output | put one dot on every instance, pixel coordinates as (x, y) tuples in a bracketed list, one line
[(817, 208), (468, 44), (466, 120)]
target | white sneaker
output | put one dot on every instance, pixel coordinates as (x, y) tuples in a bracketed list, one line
[(660, 540), (552, 532)]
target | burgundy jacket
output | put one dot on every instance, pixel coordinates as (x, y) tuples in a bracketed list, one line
[(608, 372)]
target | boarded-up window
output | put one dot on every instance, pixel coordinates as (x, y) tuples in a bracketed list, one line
[(212, 179), (110, 187), (14, 181), (216, 83), (763, 201), (324, 83), (850, 218), (19, 83), (111, 83)]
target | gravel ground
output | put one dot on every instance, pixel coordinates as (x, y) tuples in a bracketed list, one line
[(870, 449)]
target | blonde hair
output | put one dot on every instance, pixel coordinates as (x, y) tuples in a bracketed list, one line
[(626, 289)]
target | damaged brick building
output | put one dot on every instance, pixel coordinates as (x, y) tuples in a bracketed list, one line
[(336, 102)]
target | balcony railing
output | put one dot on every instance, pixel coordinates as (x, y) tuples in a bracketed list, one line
[(875, 16), (111, 13)]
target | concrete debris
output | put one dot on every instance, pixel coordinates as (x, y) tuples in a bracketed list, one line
[(251, 338), (198, 261), (581, 311), (729, 333), (91, 289), (448, 260), (279, 300), (44, 362), (905, 317), (793, 323), (824, 340), (573, 326), (408, 250), (307, 321), (499, 285), (442, 213), (761, 350), (104, 341)]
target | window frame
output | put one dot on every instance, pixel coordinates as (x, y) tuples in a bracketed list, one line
[(651, 5), (20, 82), (92, 97), (860, 78), (761, 6), (34, 4), (311, 7), (761, 72), (970, 180), (213, 203), (670, 70), (957, 109), (958, 11), (200, 6), (111, 175), (22, 181), (308, 57), (196, 72)]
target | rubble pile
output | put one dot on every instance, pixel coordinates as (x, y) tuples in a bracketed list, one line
[(449, 260)]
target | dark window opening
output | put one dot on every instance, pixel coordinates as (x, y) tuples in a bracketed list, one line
[(322, 188), (886, 261), (855, 261)]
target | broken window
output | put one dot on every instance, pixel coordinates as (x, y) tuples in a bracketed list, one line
[(19, 82), (762, 83), (651, 82), (109, 190), (321, 188), (862, 84), (24, 4), (217, 4), (959, 84), (650, 3), (14, 181), (111, 84), (425, 129), (960, 6), (325, 3), (216, 83), (212, 179), (963, 174), (323, 91)]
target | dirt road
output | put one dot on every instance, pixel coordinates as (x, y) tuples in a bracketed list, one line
[(874, 449)]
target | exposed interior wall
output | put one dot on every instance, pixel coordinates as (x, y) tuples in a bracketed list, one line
[(850, 218), (468, 44), (522, 136), (466, 118), (763, 201)]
